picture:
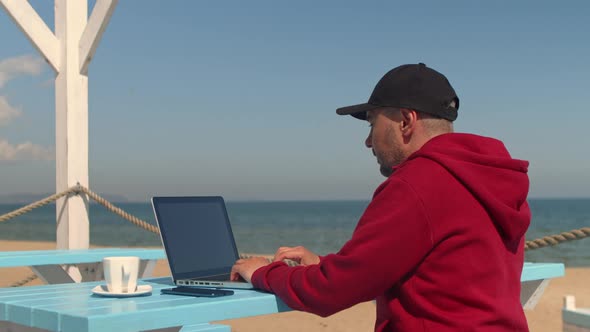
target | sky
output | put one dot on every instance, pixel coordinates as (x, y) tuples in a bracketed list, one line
[(238, 98)]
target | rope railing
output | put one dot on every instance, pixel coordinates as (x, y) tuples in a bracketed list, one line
[(40, 203), (109, 206), (553, 240), (550, 240)]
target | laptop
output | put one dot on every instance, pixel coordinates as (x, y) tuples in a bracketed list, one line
[(198, 240)]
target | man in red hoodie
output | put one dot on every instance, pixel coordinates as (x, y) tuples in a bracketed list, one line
[(440, 247)]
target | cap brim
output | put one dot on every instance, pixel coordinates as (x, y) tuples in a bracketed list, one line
[(358, 111)]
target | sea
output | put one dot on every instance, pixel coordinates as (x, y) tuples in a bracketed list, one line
[(322, 226)]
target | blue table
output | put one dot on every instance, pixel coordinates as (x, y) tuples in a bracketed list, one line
[(71, 307)]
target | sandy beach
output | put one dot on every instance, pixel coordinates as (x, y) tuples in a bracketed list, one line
[(545, 317)]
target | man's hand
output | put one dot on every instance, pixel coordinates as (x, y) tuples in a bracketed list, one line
[(245, 268), (298, 254)]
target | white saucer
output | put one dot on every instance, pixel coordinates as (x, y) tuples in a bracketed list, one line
[(102, 290)]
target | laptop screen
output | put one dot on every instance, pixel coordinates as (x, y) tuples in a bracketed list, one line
[(196, 234)]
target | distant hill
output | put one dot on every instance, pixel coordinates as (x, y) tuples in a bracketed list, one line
[(27, 198)]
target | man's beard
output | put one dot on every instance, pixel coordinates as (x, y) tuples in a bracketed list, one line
[(396, 158), (385, 170)]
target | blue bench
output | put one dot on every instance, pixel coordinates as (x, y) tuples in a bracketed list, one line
[(49, 264), (574, 319)]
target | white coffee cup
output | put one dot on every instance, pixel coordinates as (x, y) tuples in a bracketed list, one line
[(120, 273)]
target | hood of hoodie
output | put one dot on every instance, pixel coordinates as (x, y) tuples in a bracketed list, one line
[(484, 166)]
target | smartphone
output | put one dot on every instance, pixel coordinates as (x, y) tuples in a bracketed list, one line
[(199, 292)]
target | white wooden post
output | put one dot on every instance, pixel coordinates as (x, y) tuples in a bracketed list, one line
[(71, 127), (68, 52)]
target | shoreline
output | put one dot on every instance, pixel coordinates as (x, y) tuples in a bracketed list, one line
[(545, 317)]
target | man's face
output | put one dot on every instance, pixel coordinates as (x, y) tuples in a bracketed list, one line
[(385, 138)]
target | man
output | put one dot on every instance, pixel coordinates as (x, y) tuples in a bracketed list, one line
[(440, 246)]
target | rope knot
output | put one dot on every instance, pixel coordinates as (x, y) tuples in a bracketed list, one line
[(78, 188)]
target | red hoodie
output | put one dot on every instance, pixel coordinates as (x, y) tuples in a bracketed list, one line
[(440, 246)]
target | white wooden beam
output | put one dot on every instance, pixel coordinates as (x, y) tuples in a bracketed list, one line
[(35, 29), (97, 23)]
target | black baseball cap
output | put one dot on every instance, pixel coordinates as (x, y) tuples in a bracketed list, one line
[(412, 86)]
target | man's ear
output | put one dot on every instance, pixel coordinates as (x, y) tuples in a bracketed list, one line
[(408, 122)]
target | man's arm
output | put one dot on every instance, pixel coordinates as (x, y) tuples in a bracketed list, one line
[(392, 237)]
